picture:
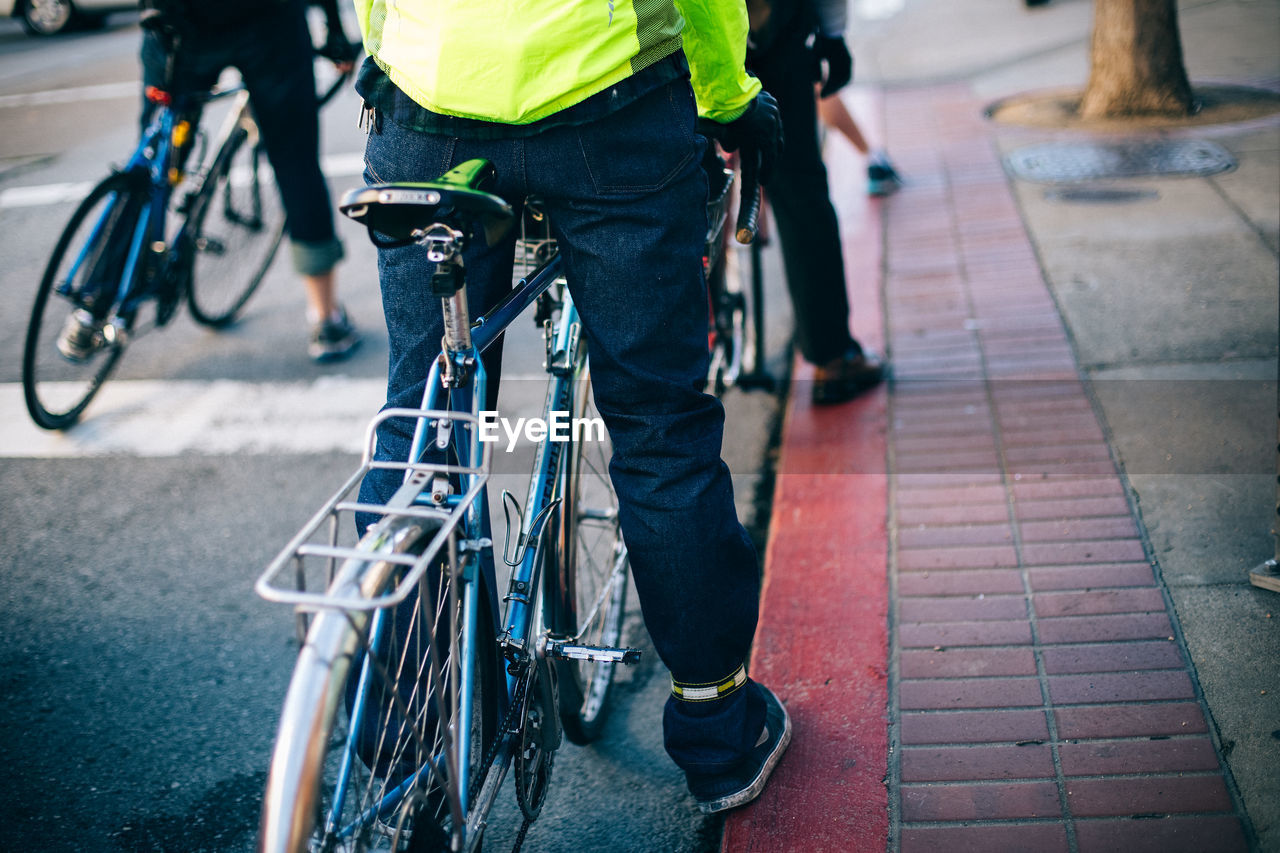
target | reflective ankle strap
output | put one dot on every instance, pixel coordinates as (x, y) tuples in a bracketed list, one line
[(709, 690)]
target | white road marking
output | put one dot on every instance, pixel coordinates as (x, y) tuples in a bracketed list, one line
[(343, 165), (334, 166), (74, 94), (160, 418), (44, 194), (877, 10)]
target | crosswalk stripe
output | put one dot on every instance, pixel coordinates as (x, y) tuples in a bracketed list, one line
[(159, 418), (170, 418), (44, 194), (73, 94), (334, 166)]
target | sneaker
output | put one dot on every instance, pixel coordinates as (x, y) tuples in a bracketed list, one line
[(723, 791), (882, 178), (333, 339), (79, 337), (847, 376)]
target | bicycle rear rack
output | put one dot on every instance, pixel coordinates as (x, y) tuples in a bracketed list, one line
[(317, 560)]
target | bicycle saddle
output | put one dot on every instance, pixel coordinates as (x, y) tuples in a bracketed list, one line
[(395, 213)]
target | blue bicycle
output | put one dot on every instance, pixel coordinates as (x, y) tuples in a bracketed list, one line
[(411, 699), (120, 268), (414, 693)]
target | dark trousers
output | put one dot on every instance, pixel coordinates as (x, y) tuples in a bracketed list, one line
[(626, 198), (801, 203)]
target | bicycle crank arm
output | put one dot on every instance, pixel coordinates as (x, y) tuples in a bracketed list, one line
[(599, 654)]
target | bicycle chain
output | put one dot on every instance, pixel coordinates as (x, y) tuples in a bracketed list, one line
[(524, 829), (478, 778), (540, 738), (508, 721)]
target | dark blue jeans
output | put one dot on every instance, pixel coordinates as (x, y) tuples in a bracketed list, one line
[(626, 197), (274, 56)]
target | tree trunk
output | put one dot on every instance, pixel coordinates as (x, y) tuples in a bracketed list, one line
[(1136, 66)]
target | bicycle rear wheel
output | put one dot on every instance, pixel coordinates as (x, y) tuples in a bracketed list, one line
[(587, 568), (737, 341), (238, 223), (70, 348), (366, 757)]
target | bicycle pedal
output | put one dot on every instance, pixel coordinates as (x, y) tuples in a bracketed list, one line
[(598, 654)]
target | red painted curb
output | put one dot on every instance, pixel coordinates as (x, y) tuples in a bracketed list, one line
[(821, 643)]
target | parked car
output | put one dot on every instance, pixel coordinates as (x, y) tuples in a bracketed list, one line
[(50, 17)]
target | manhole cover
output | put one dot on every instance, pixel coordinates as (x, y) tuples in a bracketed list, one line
[(1100, 195), (1078, 162)]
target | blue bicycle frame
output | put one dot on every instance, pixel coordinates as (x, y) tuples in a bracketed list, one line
[(154, 160), (438, 435)]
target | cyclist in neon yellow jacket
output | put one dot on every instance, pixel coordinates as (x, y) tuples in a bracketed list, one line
[(590, 105), (457, 57)]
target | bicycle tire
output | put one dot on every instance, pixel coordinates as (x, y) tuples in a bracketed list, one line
[(747, 266), (237, 224), (312, 746), (84, 275), (587, 569)]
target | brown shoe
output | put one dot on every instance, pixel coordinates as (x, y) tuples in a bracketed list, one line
[(847, 377)]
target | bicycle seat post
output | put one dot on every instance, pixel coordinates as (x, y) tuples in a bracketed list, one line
[(444, 249)]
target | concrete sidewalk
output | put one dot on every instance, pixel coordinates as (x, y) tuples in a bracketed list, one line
[(1006, 597)]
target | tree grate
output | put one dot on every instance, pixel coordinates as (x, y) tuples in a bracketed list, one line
[(1079, 162)]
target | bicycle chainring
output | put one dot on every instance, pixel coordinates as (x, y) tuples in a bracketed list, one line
[(168, 292), (539, 738)]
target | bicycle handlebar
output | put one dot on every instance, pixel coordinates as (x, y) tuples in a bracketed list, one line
[(749, 193), (749, 201)]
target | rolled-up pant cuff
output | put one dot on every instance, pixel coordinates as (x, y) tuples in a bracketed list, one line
[(315, 258)]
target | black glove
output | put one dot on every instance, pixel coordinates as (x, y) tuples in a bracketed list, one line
[(835, 53), (758, 132), (338, 50)]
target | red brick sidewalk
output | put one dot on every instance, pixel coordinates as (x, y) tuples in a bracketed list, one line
[(1038, 695)]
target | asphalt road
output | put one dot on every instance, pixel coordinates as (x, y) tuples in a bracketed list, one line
[(141, 678)]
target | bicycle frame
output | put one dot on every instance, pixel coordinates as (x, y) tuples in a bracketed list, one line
[(726, 253), (449, 418), (518, 624), (153, 157)]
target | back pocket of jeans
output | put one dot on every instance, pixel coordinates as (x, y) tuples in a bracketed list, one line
[(398, 154), (643, 146)]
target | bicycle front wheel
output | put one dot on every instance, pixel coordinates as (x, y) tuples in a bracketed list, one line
[(71, 348), (369, 752), (588, 565), (238, 223)]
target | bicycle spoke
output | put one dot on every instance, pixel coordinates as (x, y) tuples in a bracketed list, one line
[(237, 225), (590, 567), (393, 760), (72, 344)]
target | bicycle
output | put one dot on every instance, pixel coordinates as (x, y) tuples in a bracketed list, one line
[(412, 697), (735, 279), (119, 255)]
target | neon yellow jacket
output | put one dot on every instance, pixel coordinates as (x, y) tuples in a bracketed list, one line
[(518, 61)]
